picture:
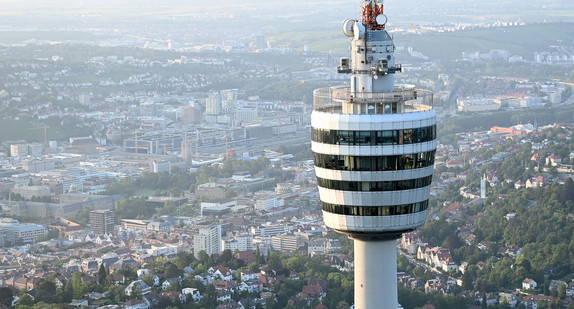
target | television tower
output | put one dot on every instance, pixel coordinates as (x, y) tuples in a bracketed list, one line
[(374, 145)]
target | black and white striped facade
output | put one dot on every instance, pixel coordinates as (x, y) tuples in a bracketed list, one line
[(374, 144), (368, 186)]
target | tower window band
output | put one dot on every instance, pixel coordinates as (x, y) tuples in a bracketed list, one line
[(375, 186), (375, 210), (374, 138), (374, 163)]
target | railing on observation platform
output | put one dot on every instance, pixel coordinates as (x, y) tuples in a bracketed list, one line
[(331, 99)]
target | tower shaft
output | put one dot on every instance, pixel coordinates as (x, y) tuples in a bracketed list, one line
[(376, 274)]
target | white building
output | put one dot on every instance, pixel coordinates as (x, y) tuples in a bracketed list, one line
[(195, 295), (163, 251), (269, 203), (208, 239), (288, 243), (529, 284), (26, 233), (239, 242), (161, 167), (138, 284), (271, 230)]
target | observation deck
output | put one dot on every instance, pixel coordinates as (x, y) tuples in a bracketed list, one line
[(342, 100)]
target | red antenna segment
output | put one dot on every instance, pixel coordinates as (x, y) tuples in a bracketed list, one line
[(371, 10)]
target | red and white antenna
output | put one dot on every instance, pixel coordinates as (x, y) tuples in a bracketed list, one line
[(372, 16)]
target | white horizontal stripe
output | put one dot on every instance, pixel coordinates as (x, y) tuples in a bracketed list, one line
[(373, 176), (374, 224), (372, 122), (387, 150), (366, 198)]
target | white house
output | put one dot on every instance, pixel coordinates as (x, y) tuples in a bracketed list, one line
[(193, 293), (223, 296), (253, 285), (248, 275), (166, 284), (529, 284), (138, 284), (205, 278), (142, 272), (135, 304), (509, 298), (221, 272)]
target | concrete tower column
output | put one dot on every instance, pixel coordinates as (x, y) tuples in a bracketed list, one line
[(376, 274)]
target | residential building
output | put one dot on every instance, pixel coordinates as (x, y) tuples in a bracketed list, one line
[(208, 239), (102, 221), (137, 285), (286, 242), (529, 284)]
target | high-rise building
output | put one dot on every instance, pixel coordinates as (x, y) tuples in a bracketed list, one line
[(241, 242), (228, 99), (483, 187), (213, 105), (191, 114), (18, 150), (102, 221), (208, 239), (286, 242), (374, 144)]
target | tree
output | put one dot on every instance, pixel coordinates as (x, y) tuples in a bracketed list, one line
[(274, 260), (77, 286), (6, 296), (184, 259), (102, 274), (226, 256), (67, 293), (136, 292), (210, 298), (230, 194), (202, 256), (343, 305), (172, 271), (148, 279), (46, 291), (25, 300), (562, 290)]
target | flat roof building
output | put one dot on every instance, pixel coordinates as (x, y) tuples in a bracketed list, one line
[(102, 221)]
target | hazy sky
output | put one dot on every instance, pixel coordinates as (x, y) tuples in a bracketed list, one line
[(177, 18)]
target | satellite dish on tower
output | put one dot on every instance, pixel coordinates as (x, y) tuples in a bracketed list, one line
[(381, 19), (358, 31), (348, 27)]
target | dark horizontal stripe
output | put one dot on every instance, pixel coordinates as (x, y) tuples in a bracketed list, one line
[(374, 138), (374, 163), (373, 211), (375, 186)]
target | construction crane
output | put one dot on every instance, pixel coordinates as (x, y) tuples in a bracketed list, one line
[(280, 154), (164, 149), (197, 139), (136, 142), (226, 146), (45, 133), (135, 133)]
